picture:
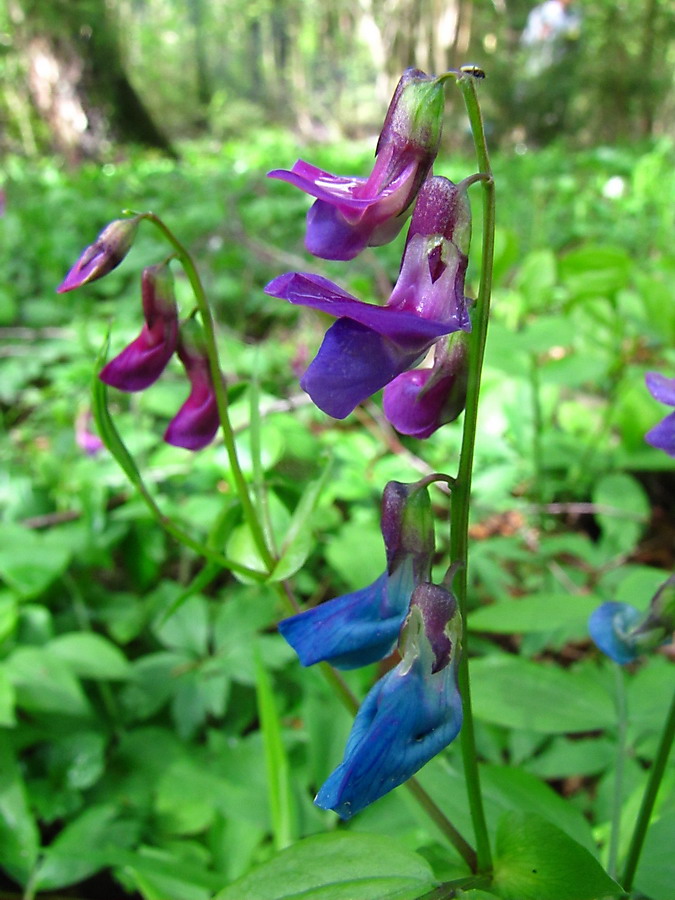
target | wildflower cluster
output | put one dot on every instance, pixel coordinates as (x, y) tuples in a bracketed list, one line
[(142, 362)]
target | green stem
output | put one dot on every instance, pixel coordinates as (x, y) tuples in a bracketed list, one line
[(649, 798), (617, 799), (219, 388), (461, 494)]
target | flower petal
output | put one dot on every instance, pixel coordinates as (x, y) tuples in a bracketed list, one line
[(609, 627), (661, 388), (662, 435)]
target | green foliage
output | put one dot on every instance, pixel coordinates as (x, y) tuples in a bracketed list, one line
[(152, 723)]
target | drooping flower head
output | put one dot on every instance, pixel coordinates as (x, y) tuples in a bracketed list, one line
[(141, 363), (352, 213), (105, 254), (418, 402), (196, 422), (623, 633), (370, 345), (662, 435), (410, 715), (362, 627)]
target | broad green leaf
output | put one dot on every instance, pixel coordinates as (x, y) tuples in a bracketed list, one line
[(536, 278), (511, 691), (29, 562), (82, 848), (90, 655), (655, 871), (337, 866), (9, 613), (7, 700), (19, 835), (534, 860), (356, 552), (623, 512), (160, 874), (44, 683), (298, 540), (187, 629), (538, 612)]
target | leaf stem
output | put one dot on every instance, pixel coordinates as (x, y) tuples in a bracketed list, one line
[(461, 494), (219, 388), (649, 798), (617, 799)]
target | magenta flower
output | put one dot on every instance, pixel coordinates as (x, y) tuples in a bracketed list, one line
[(410, 715), (370, 345), (101, 257), (352, 213), (141, 363), (196, 422), (662, 435), (420, 401)]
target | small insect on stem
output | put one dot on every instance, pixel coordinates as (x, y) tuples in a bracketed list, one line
[(471, 69)]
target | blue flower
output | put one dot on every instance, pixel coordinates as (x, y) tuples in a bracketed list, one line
[(370, 345), (623, 633), (410, 715), (361, 627)]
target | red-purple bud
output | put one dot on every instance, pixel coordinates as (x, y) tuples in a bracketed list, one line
[(196, 422), (101, 257), (141, 363)]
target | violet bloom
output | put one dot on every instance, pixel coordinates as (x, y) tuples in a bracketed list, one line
[(351, 213), (370, 345), (420, 401), (410, 715), (141, 363), (362, 627), (196, 422), (85, 438), (662, 435), (624, 633), (105, 254)]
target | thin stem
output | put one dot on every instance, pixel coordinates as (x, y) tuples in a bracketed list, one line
[(649, 798), (459, 534), (219, 387), (617, 800)]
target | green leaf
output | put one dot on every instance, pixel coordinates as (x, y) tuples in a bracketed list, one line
[(655, 871), (538, 612), (19, 835), (7, 700), (82, 848), (90, 655), (29, 562), (298, 540), (276, 760), (337, 866), (511, 691), (623, 512), (534, 860), (44, 683)]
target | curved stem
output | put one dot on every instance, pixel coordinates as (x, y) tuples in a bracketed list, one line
[(219, 388), (649, 798), (618, 771), (459, 534)]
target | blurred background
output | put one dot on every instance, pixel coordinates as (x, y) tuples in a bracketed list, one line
[(132, 758)]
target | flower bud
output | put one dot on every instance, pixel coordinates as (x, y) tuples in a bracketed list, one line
[(105, 254), (141, 363), (196, 422)]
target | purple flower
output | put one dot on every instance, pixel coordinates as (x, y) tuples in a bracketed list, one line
[(143, 361), (362, 627), (351, 213), (662, 435), (420, 401), (196, 422), (370, 345), (623, 633), (85, 438), (410, 715), (101, 257)]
